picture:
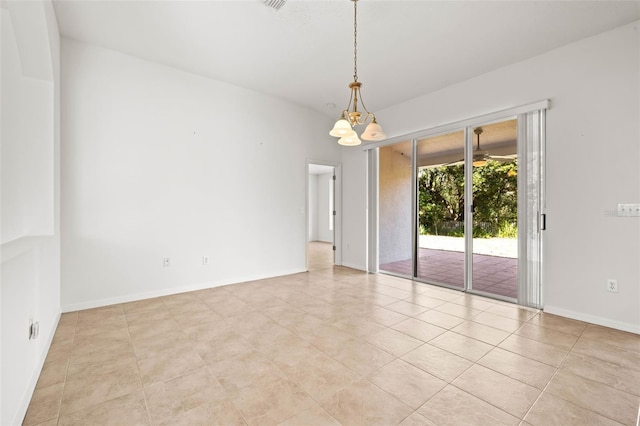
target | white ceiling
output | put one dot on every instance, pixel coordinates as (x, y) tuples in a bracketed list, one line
[(304, 51)]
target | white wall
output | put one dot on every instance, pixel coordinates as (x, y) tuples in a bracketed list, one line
[(354, 208), (27, 98), (313, 207), (162, 163), (319, 208), (30, 260), (593, 163), (324, 234)]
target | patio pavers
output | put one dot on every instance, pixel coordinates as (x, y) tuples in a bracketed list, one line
[(491, 274)]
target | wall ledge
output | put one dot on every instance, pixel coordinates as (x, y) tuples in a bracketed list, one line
[(18, 246)]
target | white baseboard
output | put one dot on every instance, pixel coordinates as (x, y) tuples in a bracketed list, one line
[(168, 291), (354, 266), (31, 387), (632, 328)]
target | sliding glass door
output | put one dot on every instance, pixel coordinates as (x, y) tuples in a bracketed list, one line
[(462, 208)]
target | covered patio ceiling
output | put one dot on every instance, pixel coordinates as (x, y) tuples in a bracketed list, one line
[(499, 139)]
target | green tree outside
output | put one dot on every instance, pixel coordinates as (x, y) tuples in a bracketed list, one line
[(441, 200)]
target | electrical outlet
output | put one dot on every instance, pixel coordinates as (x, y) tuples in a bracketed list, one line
[(628, 209), (166, 262), (205, 260), (612, 285), (35, 330)]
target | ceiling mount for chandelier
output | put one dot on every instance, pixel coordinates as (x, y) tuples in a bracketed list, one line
[(351, 117)]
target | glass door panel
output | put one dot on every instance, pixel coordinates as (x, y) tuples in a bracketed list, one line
[(395, 233), (440, 209), (495, 209)]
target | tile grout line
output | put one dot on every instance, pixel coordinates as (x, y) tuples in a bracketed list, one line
[(144, 393), (557, 370), (66, 373), (477, 363)]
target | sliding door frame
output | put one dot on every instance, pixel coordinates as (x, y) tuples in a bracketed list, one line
[(414, 208), (532, 127), (468, 209)]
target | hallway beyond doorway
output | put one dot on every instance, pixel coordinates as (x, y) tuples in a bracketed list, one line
[(319, 255)]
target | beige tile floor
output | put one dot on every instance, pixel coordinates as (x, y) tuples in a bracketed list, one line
[(334, 346)]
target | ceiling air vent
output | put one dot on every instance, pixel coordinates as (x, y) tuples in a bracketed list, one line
[(276, 4)]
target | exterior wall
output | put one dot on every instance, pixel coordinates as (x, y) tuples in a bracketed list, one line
[(394, 211)]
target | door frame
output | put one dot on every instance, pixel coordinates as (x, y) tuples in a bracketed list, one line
[(337, 205)]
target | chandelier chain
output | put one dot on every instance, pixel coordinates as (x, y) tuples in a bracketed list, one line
[(351, 116), (355, 40)]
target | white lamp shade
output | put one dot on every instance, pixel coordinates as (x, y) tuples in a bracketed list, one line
[(341, 128), (349, 140), (373, 132)]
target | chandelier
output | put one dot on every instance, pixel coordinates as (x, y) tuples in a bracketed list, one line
[(351, 117)]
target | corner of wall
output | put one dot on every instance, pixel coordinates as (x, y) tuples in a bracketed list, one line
[(30, 273)]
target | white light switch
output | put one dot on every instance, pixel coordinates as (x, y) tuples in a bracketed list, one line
[(628, 209)]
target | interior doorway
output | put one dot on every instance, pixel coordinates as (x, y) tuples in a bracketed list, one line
[(321, 216)]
